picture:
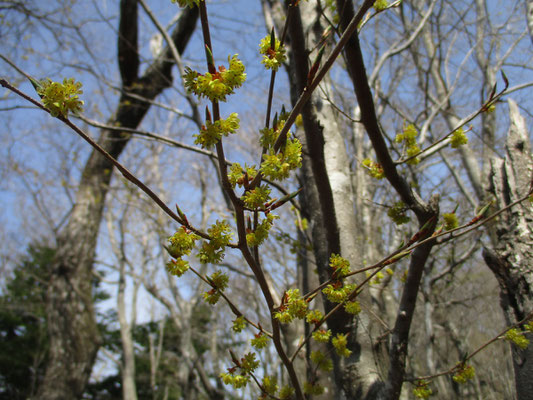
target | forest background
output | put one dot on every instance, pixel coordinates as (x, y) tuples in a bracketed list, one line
[(84, 282)]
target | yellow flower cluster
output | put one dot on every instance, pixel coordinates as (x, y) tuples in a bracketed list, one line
[(408, 137), (60, 98), (422, 390), (217, 85), (464, 373), (211, 133), (273, 56), (380, 5), (458, 138), (373, 168)]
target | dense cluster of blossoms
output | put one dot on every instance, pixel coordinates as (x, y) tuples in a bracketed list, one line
[(408, 138), (322, 361), (217, 85), (239, 375), (277, 166), (313, 388), (517, 337), (212, 251), (260, 340), (450, 221), (398, 213), (322, 335), (180, 244), (422, 390), (273, 55), (380, 5), (241, 176), (374, 169), (293, 306), (269, 385), (256, 197), (464, 373), (211, 133), (338, 292), (219, 283), (339, 342), (458, 138), (61, 98), (239, 324), (339, 265), (260, 234)]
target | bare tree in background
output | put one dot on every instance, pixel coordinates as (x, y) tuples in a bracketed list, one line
[(405, 65), (72, 328)]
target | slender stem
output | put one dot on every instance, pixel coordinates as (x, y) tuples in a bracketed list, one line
[(480, 348), (241, 229)]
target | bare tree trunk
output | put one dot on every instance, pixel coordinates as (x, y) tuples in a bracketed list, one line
[(74, 336), (511, 258), (127, 366), (328, 196)]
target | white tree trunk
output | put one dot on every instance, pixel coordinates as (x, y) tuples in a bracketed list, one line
[(511, 258)]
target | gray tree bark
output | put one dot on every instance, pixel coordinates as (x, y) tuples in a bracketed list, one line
[(511, 256), (328, 201), (73, 332)]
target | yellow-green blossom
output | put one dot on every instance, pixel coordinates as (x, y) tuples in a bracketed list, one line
[(257, 237), (313, 388), (515, 336), (323, 363), (212, 251), (322, 335), (217, 85), (378, 277), (373, 169), (273, 58), (450, 221), (257, 197), (286, 393), (398, 213), (260, 340), (237, 381), (236, 175), (314, 316), (239, 324), (296, 305), (352, 307), (340, 342), (177, 267), (270, 385), (219, 282), (211, 133), (340, 266), (337, 293), (60, 98), (181, 243), (458, 138), (464, 373), (408, 138), (277, 166), (380, 5), (422, 390)]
